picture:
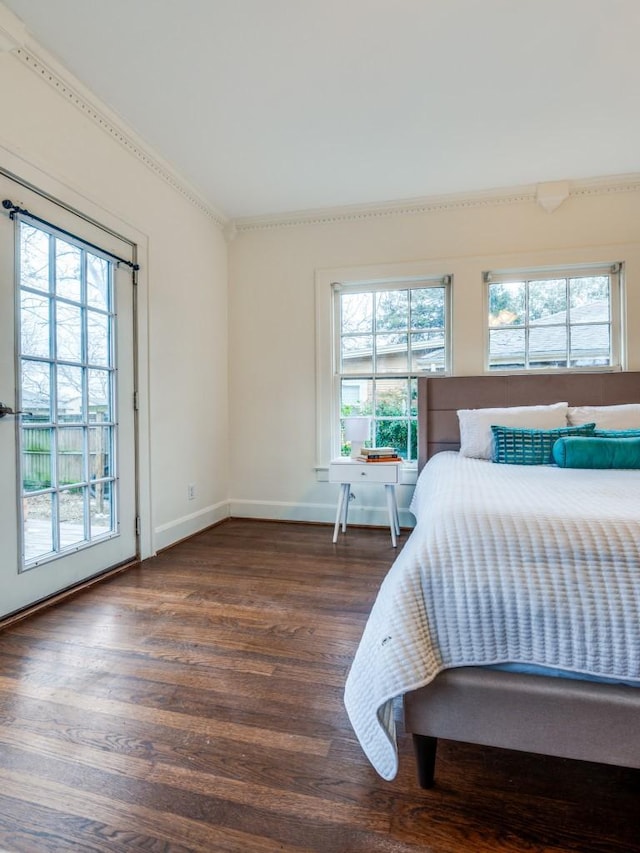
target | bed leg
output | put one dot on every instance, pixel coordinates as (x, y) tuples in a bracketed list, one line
[(425, 751)]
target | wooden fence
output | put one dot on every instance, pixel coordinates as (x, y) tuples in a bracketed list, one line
[(36, 456)]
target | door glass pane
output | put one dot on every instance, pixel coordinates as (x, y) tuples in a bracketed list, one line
[(98, 282), (99, 452), (70, 460), (72, 517), (34, 258), (37, 516), (34, 327), (100, 477), (68, 332), (99, 395), (36, 459), (36, 388), (69, 389), (68, 279), (66, 344), (98, 338), (100, 513)]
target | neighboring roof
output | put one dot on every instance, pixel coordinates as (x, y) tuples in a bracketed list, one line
[(548, 337), (431, 352)]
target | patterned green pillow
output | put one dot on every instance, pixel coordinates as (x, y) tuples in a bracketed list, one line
[(516, 446)]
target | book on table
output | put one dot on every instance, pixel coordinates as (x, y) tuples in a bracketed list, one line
[(379, 454), (389, 457)]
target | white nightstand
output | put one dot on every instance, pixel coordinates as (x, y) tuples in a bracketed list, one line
[(347, 471)]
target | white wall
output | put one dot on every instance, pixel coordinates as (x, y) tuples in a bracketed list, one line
[(49, 138), (272, 327), (246, 434)]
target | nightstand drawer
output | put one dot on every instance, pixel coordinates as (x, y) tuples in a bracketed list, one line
[(348, 472), (364, 472)]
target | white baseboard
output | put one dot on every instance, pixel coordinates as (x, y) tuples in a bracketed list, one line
[(375, 516), (180, 528)]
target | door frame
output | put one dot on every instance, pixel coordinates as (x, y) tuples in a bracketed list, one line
[(31, 177)]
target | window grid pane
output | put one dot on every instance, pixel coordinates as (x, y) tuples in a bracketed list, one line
[(541, 323), (387, 336)]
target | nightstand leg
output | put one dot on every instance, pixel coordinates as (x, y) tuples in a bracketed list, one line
[(395, 510), (345, 505), (338, 514), (341, 512), (391, 506)]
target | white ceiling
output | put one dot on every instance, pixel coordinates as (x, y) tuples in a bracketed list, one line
[(268, 106)]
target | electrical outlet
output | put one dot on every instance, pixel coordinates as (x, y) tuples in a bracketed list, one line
[(191, 491)]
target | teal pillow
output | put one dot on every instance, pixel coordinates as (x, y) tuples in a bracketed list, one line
[(594, 452), (517, 446), (617, 433)]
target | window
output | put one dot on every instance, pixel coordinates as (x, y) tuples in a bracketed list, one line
[(538, 320), (386, 334)]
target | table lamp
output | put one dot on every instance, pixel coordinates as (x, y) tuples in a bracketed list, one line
[(356, 430)]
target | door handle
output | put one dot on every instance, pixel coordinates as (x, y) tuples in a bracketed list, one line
[(7, 410)]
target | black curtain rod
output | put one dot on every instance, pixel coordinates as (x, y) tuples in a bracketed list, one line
[(13, 209)]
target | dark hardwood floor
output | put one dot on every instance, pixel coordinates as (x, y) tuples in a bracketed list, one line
[(195, 704)]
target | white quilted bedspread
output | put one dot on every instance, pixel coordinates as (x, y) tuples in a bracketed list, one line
[(507, 563)]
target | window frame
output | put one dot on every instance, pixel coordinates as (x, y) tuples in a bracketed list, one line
[(328, 353), (371, 288), (613, 269)]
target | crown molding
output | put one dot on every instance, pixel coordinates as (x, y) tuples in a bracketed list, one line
[(34, 57), (606, 185), (433, 204), (15, 39), (12, 30), (404, 207)]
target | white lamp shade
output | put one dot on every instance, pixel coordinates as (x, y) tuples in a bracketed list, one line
[(357, 429)]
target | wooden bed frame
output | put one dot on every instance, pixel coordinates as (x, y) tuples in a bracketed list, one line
[(552, 716)]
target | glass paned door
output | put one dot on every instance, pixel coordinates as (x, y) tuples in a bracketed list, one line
[(67, 461), (66, 371)]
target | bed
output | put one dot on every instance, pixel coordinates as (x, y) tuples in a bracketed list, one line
[(449, 694)]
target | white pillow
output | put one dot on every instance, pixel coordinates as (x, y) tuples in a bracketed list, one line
[(476, 438), (624, 416)]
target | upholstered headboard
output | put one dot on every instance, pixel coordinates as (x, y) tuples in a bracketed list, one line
[(439, 398)]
